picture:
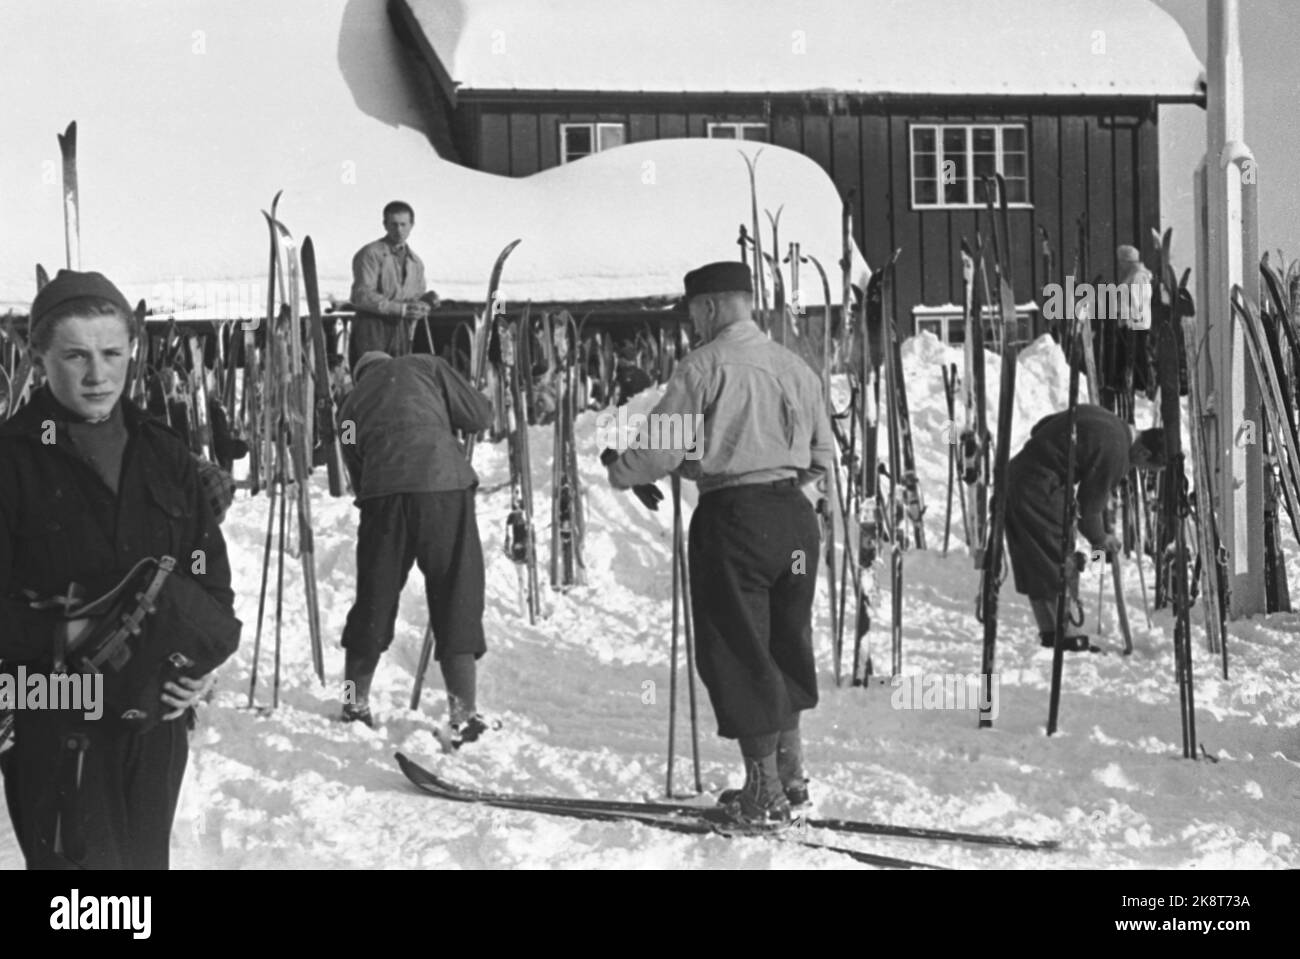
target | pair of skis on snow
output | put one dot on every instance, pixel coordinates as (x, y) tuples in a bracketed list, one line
[(706, 820)]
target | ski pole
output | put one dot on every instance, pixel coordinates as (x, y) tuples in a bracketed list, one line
[(1121, 610), (672, 675), (261, 603), (948, 391), (279, 598), (1101, 591), (1141, 519), (684, 579)]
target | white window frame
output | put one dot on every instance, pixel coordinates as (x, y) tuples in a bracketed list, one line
[(945, 321), (952, 316), (595, 128), (739, 127), (999, 154)]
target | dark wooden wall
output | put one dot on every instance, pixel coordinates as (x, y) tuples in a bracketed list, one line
[(1098, 158)]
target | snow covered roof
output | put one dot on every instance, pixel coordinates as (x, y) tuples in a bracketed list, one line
[(916, 47), (173, 174)]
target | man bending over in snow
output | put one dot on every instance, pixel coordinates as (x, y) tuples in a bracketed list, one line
[(1107, 448), (415, 490)]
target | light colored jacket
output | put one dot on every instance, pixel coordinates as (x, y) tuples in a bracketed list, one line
[(762, 414), (377, 285)]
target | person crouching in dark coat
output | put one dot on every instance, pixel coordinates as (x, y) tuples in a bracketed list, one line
[(1107, 448), (90, 486), (415, 490)]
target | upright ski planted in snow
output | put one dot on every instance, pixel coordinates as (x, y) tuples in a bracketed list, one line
[(520, 538), (992, 570), (71, 197), (898, 430), (975, 433), (325, 420)]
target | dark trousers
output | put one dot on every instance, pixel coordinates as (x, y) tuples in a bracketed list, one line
[(1034, 535), (387, 334), (753, 566), (438, 531), (126, 802)]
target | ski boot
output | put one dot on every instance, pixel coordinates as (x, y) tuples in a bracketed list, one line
[(357, 714), (796, 793), (470, 730), (461, 732), (1074, 640), (789, 767), (1045, 614), (761, 805)]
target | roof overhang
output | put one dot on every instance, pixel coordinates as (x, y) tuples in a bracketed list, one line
[(884, 48)]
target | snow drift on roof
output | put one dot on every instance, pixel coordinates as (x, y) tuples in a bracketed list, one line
[(629, 222), (951, 47), (173, 173)]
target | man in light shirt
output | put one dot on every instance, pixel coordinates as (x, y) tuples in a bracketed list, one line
[(388, 289), (754, 535)]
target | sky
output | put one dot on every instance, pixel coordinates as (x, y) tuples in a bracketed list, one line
[(1270, 30)]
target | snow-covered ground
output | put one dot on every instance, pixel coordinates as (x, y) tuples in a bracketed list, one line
[(298, 789)]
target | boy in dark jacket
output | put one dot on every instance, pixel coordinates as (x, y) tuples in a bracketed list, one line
[(89, 487), (415, 490)]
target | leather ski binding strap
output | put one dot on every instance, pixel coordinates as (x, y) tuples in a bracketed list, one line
[(112, 650)]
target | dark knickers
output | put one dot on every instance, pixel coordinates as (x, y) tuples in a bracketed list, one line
[(437, 531), (753, 565), (1034, 511)]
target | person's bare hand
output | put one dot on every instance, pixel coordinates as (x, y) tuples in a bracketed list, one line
[(182, 693), (1111, 545), (414, 310)]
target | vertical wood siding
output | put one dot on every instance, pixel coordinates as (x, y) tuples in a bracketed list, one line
[(1104, 164)]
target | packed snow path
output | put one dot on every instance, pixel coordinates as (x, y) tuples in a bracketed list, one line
[(296, 788)]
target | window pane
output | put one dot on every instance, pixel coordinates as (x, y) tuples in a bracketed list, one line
[(923, 139), (930, 326), (756, 132), (957, 331), (611, 135), (1013, 139), (954, 140), (927, 192), (981, 195), (985, 140), (1014, 166), (722, 131), (577, 141), (925, 166), (956, 187), (1017, 190)]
